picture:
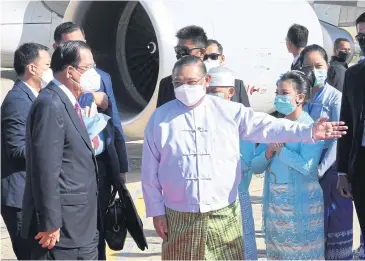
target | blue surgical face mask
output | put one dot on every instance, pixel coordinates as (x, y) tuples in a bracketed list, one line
[(217, 94), (283, 104), (321, 76)]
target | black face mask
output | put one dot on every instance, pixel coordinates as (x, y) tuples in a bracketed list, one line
[(343, 56)]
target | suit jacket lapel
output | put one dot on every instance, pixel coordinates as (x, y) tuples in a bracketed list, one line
[(73, 115), (26, 89)]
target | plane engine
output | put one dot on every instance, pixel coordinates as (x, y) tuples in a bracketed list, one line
[(134, 42)]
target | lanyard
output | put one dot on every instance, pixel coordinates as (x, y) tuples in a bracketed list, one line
[(316, 98)]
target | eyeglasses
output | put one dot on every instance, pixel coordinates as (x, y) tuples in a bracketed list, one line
[(182, 51), (360, 37), (178, 84), (86, 68), (212, 56)]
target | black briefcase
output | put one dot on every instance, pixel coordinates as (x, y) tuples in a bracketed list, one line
[(132, 220), (121, 216), (115, 230)]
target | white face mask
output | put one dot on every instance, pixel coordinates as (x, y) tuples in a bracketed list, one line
[(189, 95), (209, 64), (321, 76), (47, 77), (89, 81)]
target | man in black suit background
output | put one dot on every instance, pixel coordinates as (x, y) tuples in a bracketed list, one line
[(60, 198), (31, 63), (296, 40), (351, 148), (214, 57), (338, 64), (192, 40)]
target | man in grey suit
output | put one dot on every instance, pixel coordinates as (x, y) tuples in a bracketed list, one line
[(70, 31), (61, 191)]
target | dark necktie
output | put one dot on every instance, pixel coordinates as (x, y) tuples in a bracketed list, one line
[(95, 140)]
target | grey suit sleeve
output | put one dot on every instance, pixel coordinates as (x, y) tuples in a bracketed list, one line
[(46, 153)]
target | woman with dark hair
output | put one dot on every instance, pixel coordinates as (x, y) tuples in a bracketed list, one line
[(293, 200), (326, 102)]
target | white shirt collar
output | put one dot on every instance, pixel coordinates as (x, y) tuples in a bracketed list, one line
[(32, 89), (69, 94), (296, 58)]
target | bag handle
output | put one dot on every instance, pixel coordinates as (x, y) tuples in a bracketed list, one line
[(116, 227), (114, 194)]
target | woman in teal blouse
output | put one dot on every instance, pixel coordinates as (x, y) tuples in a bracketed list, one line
[(293, 201)]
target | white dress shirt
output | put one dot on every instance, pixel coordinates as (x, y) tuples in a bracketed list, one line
[(296, 59), (32, 89)]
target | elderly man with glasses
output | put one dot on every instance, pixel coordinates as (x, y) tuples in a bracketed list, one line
[(191, 165), (105, 130)]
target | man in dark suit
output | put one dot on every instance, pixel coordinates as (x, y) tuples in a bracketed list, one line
[(70, 31), (60, 198), (214, 57), (192, 40), (351, 148), (338, 63), (31, 63), (296, 41)]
